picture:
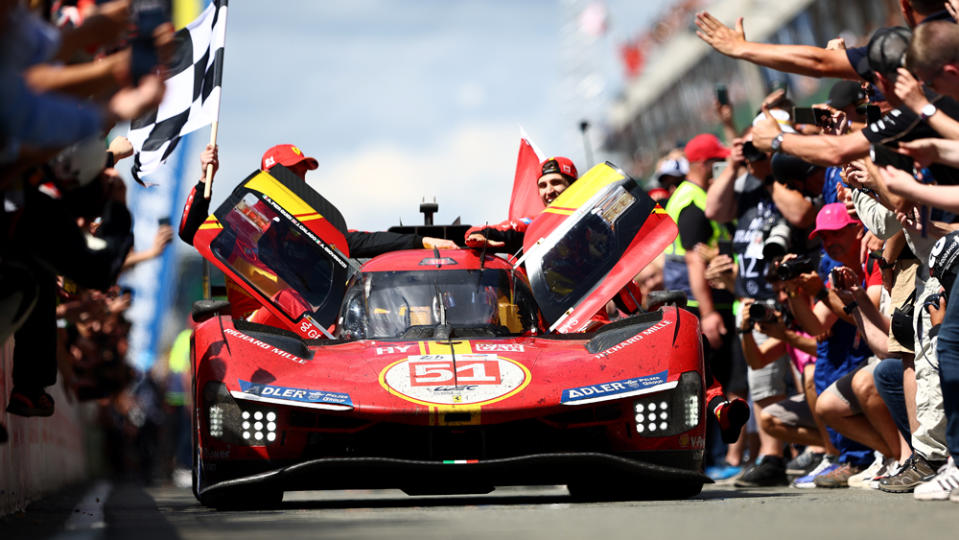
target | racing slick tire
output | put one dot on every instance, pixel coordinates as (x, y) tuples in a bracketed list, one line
[(592, 491)]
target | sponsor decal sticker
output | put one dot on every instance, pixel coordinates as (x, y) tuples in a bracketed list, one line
[(302, 395), (595, 392), (498, 347), (635, 339), (265, 346), (473, 379)]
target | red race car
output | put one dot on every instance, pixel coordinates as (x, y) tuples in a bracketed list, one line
[(450, 371)]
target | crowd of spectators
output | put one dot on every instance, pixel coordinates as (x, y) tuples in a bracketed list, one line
[(68, 76), (819, 248)]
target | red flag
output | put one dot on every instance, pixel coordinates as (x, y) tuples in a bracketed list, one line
[(525, 201)]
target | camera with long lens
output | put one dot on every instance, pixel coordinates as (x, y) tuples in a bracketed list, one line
[(763, 311), (776, 239), (793, 268)]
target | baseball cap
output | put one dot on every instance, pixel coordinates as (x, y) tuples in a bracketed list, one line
[(782, 117), (885, 52), (943, 258), (789, 168), (832, 217), (845, 93), (658, 194), (560, 165), (703, 147), (286, 155), (672, 167)]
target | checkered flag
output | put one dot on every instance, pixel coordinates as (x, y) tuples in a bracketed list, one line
[(192, 98)]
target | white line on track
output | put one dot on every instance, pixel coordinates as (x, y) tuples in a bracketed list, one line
[(87, 521)]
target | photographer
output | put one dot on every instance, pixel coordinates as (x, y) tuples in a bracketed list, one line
[(790, 420), (753, 200), (840, 351)]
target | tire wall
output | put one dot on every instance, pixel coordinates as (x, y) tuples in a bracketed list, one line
[(42, 455)]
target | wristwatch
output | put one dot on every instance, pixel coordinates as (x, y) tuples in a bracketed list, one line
[(928, 111), (778, 142), (850, 307)]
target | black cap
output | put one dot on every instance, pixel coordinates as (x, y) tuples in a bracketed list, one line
[(886, 53), (845, 93), (942, 261), (789, 168)]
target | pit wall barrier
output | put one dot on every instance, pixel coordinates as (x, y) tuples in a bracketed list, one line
[(42, 455)]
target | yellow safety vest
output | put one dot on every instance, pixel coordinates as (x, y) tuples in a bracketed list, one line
[(689, 193)]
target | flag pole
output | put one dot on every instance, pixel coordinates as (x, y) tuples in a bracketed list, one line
[(208, 188), (208, 185)]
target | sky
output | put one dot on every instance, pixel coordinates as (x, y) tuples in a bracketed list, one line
[(401, 101)]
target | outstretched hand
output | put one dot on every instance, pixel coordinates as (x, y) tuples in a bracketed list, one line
[(719, 36)]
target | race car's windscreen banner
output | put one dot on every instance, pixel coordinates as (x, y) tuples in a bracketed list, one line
[(587, 245), (283, 244)]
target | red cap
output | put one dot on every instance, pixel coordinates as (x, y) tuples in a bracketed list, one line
[(832, 217), (561, 165), (703, 147), (286, 155), (658, 194)]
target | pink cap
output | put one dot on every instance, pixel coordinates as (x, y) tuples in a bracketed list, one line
[(832, 217)]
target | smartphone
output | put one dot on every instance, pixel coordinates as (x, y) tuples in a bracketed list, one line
[(882, 155), (836, 279), (719, 167), (722, 94), (873, 114), (814, 116), (725, 247)]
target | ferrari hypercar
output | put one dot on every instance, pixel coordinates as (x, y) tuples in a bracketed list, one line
[(441, 371)]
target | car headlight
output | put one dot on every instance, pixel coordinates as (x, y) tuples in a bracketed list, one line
[(671, 412), (238, 422)]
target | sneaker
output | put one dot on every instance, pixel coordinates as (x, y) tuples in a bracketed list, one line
[(915, 471), (827, 464), (891, 467), (723, 472), (838, 477), (803, 463), (940, 487), (182, 478), (30, 403), (954, 497), (861, 480), (768, 471)]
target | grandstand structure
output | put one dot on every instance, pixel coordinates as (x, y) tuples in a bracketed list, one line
[(674, 98)]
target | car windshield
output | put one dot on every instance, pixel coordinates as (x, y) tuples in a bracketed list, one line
[(402, 303)]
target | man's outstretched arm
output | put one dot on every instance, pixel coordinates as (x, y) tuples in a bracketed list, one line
[(799, 59)]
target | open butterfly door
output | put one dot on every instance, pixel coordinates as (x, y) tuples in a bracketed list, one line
[(589, 243), (284, 245)]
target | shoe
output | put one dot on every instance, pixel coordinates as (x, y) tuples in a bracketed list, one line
[(768, 471), (803, 463), (861, 480), (723, 472), (732, 416), (940, 487), (891, 467), (954, 496), (915, 471), (30, 403), (828, 464), (838, 477), (182, 478)]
